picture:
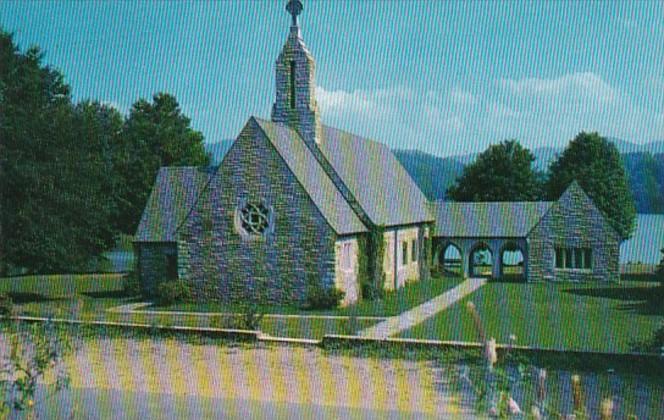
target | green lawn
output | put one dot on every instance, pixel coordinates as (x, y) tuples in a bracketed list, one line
[(393, 303), (88, 296), (604, 317)]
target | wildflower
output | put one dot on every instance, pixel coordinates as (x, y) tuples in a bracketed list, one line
[(541, 385), (490, 352), (31, 403), (606, 410), (577, 393), (513, 407), (535, 413)]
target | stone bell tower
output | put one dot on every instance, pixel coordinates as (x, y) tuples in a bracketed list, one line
[(295, 104)]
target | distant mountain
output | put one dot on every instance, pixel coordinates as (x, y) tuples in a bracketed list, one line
[(217, 150), (645, 172), (432, 174)]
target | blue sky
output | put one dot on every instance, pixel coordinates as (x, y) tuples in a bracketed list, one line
[(444, 77)]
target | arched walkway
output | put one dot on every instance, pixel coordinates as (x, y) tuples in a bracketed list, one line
[(481, 261), (512, 262), (450, 260)]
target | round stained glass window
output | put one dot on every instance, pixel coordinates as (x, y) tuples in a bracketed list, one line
[(255, 218)]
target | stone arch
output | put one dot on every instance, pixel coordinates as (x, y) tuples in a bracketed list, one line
[(481, 260), (512, 265), (450, 259)]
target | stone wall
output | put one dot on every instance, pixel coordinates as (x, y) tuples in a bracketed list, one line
[(392, 260), (223, 265), (411, 270), (152, 263), (574, 222), (304, 117)]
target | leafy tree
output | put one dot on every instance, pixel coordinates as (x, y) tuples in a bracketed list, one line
[(596, 164), (155, 134), (53, 179), (503, 172)]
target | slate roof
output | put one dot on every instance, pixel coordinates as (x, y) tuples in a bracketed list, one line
[(369, 170), (174, 193), (488, 219), (377, 180), (311, 175)]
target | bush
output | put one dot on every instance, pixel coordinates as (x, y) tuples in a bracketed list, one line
[(6, 305), (252, 315), (371, 292), (319, 298), (170, 292), (131, 285)]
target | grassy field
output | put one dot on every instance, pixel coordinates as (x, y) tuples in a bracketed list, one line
[(393, 303), (602, 317), (88, 297)]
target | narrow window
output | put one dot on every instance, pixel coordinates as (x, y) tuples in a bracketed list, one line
[(568, 258), (347, 257), (292, 84), (588, 258), (560, 258), (578, 258), (414, 251), (404, 253)]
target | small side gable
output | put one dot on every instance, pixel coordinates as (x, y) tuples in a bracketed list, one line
[(576, 210)]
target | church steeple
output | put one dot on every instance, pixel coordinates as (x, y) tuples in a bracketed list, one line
[(295, 103)]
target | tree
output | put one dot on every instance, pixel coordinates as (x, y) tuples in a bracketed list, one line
[(154, 135), (503, 172), (596, 164), (52, 175)]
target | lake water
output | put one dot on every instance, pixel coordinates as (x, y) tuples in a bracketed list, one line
[(648, 239)]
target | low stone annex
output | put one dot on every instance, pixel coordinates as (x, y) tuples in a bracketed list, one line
[(297, 206)]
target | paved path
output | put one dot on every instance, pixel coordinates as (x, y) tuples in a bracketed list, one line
[(396, 324)]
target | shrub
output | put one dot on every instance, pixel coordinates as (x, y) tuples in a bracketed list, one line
[(319, 298), (6, 305), (131, 284), (170, 292), (252, 315)]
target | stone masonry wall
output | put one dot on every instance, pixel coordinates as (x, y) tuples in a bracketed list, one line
[(152, 264), (223, 265), (574, 222)]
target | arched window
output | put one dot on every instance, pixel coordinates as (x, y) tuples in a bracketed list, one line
[(512, 262), (450, 261), (481, 261)]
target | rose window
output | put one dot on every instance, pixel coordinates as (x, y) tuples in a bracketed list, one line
[(255, 219)]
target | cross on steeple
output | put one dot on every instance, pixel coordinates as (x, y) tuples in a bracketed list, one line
[(294, 7)]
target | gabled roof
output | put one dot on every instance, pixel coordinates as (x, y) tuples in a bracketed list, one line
[(174, 193), (488, 219), (376, 179), (313, 178)]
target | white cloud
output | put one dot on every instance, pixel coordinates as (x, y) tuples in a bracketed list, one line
[(364, 102), (462, 97), (585, 85)]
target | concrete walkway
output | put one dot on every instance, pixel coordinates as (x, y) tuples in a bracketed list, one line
[(396, 324)]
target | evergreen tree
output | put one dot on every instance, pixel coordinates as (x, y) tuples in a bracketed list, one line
[(503, 172), (52, 182), (155, 134), (596, 164)]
